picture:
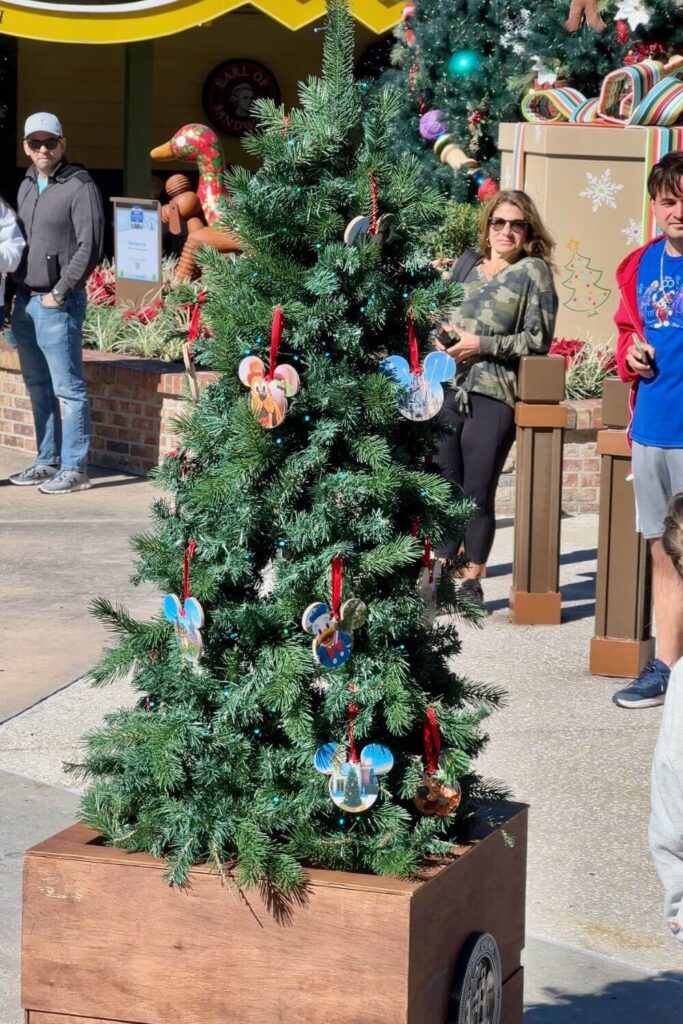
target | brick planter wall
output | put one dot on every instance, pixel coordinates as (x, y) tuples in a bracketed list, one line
[(133, 403), (581, 467)]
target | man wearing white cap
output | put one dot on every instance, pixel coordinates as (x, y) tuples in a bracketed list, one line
[(59, 209)]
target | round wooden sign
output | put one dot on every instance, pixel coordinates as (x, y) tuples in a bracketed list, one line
[(230, 90)]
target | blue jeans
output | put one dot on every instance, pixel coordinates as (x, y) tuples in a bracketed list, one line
[(49, 344)]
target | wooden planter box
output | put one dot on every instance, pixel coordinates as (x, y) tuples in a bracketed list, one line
[(106, 940)]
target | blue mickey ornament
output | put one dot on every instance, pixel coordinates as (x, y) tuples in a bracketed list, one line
[(423, 394), (354, 783), (188, 619)]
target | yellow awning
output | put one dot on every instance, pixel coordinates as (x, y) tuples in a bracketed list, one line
[(127, 21)]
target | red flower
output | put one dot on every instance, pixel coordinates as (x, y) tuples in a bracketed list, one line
[(567, 348)]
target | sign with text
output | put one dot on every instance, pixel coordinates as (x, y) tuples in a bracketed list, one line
[(137, 250)]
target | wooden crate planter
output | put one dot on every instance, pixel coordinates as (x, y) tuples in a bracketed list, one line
[(106, 940)]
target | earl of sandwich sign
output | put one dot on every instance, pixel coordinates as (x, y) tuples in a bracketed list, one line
[(127, 21)]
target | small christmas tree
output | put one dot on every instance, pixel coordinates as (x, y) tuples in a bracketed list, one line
[(586, 297), (290, 504)]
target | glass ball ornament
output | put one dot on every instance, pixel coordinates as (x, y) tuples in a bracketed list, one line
[(432, 125), (463, 64)]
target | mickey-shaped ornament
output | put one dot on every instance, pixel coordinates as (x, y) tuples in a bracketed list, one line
[(187, 617), (270, 390), (422, 395), (332, 628), (354, 782), (332, 636), (433, 796)]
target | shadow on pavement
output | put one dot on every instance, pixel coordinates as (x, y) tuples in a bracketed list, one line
[(568, 558), (653, 1000)]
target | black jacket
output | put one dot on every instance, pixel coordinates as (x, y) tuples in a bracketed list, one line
[(63, 227)]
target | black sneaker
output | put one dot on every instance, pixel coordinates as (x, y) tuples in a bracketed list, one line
[(648, 690), (38, 473), (472, 590)]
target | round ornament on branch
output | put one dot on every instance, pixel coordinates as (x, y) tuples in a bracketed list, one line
[(464, 64), (432, 125), (355, 228)]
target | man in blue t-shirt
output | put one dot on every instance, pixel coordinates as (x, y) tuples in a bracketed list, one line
[(650, 356)]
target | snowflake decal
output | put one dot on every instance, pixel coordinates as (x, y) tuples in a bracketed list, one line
[(538, 132), (601, 190), (507, 178), (634, 12), (633, 232)]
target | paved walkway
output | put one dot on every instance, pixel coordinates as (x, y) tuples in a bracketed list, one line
[(596, 951)]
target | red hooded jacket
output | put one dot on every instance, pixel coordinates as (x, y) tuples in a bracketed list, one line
[(628, 318)]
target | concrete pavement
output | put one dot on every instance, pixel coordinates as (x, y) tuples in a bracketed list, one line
[(596, 950), (59, 553)]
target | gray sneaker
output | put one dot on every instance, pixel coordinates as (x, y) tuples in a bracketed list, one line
[(38, 473), (66, 482)]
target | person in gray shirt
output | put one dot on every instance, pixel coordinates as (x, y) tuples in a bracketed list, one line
[(59, 210)]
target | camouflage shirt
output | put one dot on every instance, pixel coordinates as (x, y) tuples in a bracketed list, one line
[(513, 314)]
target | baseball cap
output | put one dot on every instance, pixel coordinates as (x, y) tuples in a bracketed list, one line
[(43, 122)]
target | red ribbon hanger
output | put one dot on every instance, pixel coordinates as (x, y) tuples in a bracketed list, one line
[(432, 738), (275, 335), (187, 558), (196, 318), (353, 752), (337, 582), (415, 367), (374, 199)]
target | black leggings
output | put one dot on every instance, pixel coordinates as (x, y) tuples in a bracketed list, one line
[(471, 458)]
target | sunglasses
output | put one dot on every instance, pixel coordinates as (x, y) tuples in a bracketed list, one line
[(498, 223), (48, 144)]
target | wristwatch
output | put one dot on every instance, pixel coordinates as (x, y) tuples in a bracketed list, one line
[(58, 297)]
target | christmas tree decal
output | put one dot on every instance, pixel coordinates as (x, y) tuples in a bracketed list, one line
[(586, 296), (294, 532)]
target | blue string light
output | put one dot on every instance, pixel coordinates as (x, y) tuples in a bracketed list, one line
[(307, 418), (341, 822), (256, 731), (278, 440)]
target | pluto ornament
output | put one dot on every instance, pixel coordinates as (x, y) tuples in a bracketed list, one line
[(268, 399), (422, 395), (436, 798), (354, 785)]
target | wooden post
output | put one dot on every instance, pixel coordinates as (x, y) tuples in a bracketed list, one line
[(540, 419), (138, 118), (622, 643)]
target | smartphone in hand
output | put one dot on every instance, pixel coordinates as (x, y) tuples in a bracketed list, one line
[(644, 355)]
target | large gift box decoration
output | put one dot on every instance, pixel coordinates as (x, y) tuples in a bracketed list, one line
[(585, 163)]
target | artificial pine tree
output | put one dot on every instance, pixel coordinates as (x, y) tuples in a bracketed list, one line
[(216, 761)]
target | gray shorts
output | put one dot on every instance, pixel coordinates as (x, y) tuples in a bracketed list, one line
[(657, 476)]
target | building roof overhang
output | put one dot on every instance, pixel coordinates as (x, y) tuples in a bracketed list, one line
[(127, 21)]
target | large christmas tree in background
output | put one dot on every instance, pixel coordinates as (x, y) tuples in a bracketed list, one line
[(471, 61), (243, 741), (456, 58)]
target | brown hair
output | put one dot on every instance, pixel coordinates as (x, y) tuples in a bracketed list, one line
[(539, 241), (667, 176), (672, 536)]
